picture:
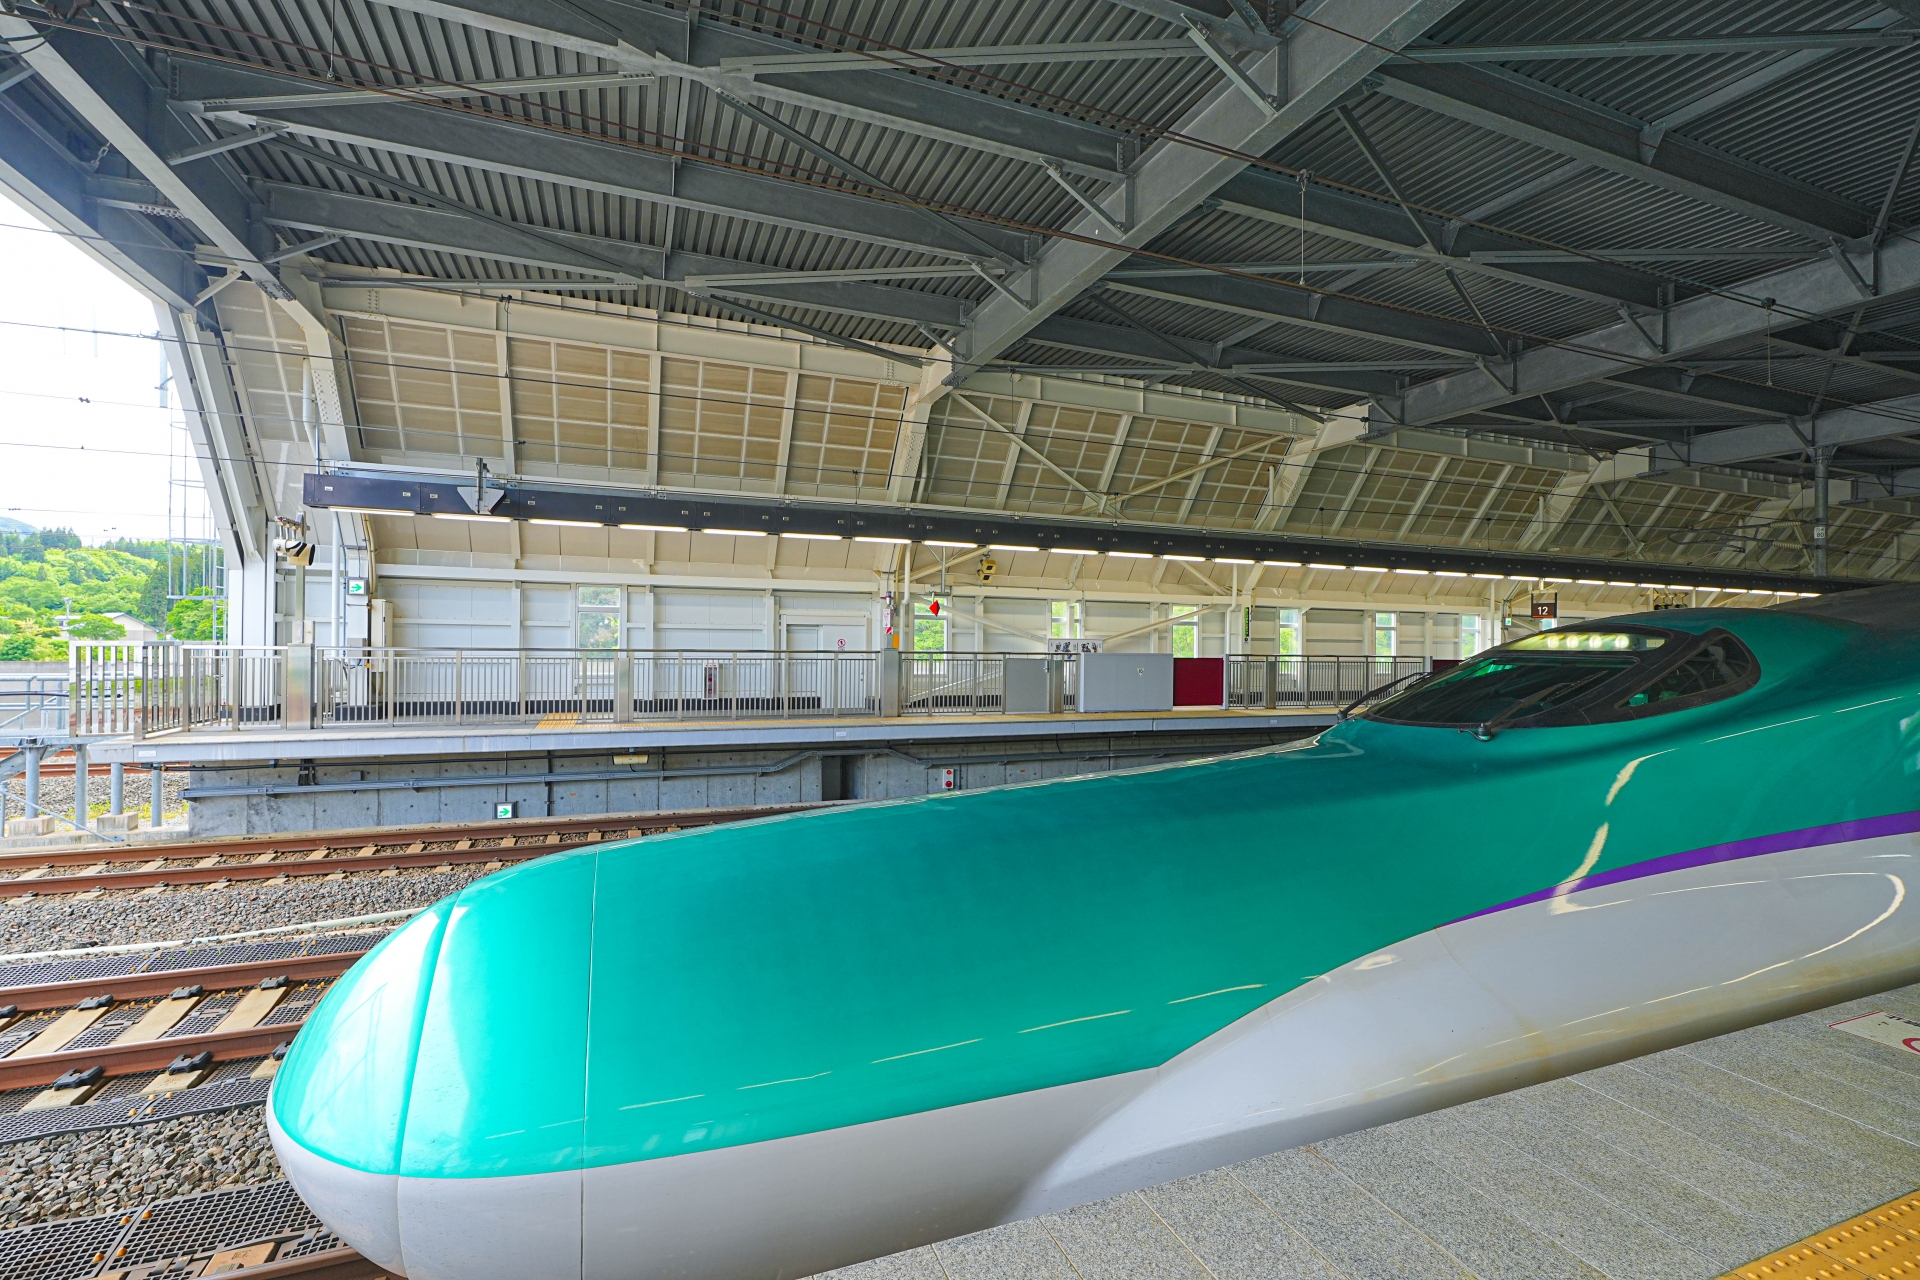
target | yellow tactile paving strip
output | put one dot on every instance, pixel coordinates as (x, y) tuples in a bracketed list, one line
[(1883, 1244)]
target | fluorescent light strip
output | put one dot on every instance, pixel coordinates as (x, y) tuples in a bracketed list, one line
[(656, 528), (1317, 565), (375, 511), (1562, 581), (892, 542), (570, 524), (473, 519), (1421, 573), (1369, 568), (1489, 577), (736, 533), (1448, 573), (813, 537), (1283, 564), (1007, 546), (1589, 582), (1621, 584), (1229, 560), (1130, 555), (1189, 559), (953, 546), (1071, 551)]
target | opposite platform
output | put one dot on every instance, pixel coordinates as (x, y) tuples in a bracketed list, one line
[(1682, 1165)]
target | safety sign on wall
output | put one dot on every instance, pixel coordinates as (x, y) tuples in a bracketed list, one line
[(1884, 1028)]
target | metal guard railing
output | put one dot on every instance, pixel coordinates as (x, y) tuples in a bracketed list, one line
[(157, 688)]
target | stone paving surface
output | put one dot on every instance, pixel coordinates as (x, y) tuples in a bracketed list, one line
[(1678, 1166)]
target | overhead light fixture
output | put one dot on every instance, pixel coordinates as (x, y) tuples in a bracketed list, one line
[(1369, 568), (377, 511), (1192, 559), (656, 528), (473, 519), (1283, 564), (1525, 577), (1230, 560), (1130, 555), (813, 537), (1448, 573), (1675, 587), (953, 546), (1587, 582), (571, 524), (1072, 551), (1620, 584), (1489, 577), (1007, 546), (1417, 572), (895, 542), (736, 533), (1317, 565), (1562, 581)]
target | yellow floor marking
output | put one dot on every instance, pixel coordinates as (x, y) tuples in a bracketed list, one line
[(559, 722), (1881, 1245)]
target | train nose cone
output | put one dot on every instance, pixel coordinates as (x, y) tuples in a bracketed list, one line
[(446, 1071)]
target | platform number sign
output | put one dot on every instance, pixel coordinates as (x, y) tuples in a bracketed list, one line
[(1549, 608)]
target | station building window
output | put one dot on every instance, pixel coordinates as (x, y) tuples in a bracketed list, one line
[(929, 628), (1472, 638), (1068, 620), (596, 621), (1186, 638), (1286, 632), (1386, 635)]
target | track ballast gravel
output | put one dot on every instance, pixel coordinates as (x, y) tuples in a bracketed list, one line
[(61, 921), (75, 1175)]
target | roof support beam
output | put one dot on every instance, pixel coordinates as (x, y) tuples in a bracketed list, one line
[(1516, 107), (389, 222), (1818, 288), (648, 38), (1858, 424), (498, 144), (1308, 74), (1781, 42)]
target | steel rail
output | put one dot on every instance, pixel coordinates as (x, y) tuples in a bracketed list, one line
[(626, 824), (146, 1055), (213, 977)]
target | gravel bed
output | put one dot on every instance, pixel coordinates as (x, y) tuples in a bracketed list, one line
[(191, 911), (56, 794), (75, 1175)]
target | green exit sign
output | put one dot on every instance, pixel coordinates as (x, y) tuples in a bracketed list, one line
[(356, 586)]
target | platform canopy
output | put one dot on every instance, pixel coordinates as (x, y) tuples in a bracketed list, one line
[(1623, 283)]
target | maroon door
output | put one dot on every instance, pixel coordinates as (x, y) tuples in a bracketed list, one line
[(1199, 682)]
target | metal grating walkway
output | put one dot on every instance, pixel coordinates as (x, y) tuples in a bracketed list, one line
[(1683, 1165)]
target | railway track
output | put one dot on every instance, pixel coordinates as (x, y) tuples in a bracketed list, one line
[(107, 867)]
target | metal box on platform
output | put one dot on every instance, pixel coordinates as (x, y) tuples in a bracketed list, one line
[(1126, 682)]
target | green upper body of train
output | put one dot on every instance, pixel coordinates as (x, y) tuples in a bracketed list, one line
[(794, 983)]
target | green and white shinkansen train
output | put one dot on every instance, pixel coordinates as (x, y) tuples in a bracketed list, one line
[(770, 1049)]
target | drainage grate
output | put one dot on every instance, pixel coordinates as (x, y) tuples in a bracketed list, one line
[(58, 1250), (219, 1094), (34, 973), (215, 1220)]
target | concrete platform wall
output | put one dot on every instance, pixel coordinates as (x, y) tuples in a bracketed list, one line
[(289, 796)]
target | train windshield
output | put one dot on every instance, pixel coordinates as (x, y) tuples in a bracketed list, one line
[(1577, 677)]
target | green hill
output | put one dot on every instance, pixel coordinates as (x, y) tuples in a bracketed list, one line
[(41, 571)]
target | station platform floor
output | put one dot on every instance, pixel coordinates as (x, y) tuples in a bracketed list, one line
[(1689, 1164), (565, 734)]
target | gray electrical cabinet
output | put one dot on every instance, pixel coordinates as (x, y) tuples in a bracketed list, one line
[(1028, 686), (1126, 682)]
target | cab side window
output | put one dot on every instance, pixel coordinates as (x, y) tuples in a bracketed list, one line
[(1721, 665)]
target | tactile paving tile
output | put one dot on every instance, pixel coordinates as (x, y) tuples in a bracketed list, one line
[(1883, 1244)]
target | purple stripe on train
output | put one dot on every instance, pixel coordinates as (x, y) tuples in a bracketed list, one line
[(1893, 824)]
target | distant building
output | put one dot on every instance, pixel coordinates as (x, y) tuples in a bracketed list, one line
[(138, 631)]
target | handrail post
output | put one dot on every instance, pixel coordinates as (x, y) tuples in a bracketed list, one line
[(891, 674), (297, 710), (623, 686)]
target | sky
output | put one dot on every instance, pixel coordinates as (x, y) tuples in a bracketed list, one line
[(83, 438)]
